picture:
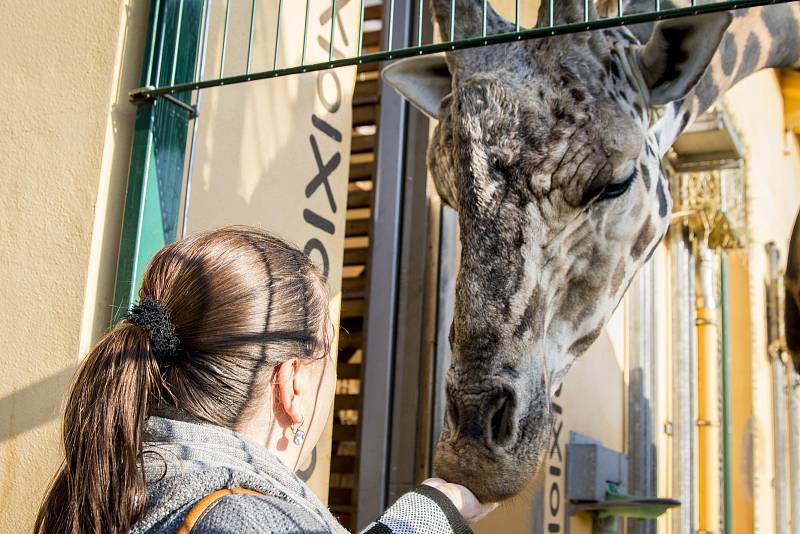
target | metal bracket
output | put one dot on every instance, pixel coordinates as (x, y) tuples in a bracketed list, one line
[(141, 96)]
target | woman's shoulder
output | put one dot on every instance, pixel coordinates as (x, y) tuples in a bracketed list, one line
[(260, 514)]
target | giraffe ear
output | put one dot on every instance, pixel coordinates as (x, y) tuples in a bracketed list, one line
[(678, 53), (423, 81)]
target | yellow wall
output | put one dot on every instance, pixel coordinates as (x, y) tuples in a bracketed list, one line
[(773, 168), (65, 144)]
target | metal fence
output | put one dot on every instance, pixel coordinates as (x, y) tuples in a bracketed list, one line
[(174, 83)]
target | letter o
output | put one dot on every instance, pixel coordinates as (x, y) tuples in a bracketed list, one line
[(555, 499), (331, 107), (316, 244)]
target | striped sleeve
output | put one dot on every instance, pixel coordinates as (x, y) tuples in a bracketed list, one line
[(422, 510)]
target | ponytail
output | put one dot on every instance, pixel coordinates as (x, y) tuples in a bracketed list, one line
[(100, 487)]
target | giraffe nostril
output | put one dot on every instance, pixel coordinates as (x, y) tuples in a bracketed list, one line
[(501, 421)]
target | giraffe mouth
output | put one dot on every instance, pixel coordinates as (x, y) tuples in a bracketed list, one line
[(493, 441)]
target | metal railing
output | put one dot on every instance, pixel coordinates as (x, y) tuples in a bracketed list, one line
[(161, 87)]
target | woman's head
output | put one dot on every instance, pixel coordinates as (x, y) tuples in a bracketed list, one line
[(241, 302), (222, 314)]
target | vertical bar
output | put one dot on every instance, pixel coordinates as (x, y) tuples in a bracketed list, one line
[(361, 30), (333, 29), (305, 35), (224, 39), (252, 32), (585, 10), (516, 15), (420, 9), (551, 13), (379, 365), (452, 20), (658, 5), (277, 36), (190, 168), (162, 32), (407, 427), (682, 276), (775, 352), (390, 38), (177, 43), (202, 44), (619, 7), (727, 423), (708, 389), (484, 18), (643, 316), (152, 44), (794, 449), (779, 434)]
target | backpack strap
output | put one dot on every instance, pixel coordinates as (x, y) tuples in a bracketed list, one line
[(205, 504)]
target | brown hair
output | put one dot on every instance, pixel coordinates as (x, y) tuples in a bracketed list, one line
[(241, 302)]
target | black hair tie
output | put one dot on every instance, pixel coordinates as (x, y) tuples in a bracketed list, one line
[(156, 320)]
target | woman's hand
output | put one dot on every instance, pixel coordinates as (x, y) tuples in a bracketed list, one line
[(471, 509)]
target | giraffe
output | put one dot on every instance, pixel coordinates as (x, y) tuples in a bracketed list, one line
[(550, 151)]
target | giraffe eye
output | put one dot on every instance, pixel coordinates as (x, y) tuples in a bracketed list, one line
[(617, 189)]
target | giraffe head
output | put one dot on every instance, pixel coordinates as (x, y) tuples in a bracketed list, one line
[(547, 151)]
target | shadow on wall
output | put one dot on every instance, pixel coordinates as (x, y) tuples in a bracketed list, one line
[(113, 181), (33, 405)]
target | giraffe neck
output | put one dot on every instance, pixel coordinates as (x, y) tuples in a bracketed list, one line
[(758, 38)]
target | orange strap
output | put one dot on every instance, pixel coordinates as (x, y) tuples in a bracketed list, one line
[(205, 503)]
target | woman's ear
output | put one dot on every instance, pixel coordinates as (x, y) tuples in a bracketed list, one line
[(288, 397)]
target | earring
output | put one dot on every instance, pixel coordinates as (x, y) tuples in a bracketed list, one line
[(299, 435)]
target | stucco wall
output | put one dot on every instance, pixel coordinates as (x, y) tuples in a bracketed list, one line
[(65, 144)]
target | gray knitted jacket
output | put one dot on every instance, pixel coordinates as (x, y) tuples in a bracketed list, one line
[(185, 460)]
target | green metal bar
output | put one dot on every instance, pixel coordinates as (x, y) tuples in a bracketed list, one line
[(390, 36), (452, 21), (162, 29), (201, 57), (333, 30), (361, 31), (224, 39), (619, 7), (658, 5), (516, 15), (420, 9), (552, 14), (484, 18), (277, 36), (177, 43), (727, 423), (473, 42), (585, 10), (252, 33), (151, 46), (305, 36)]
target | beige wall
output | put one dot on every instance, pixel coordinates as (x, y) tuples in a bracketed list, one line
[(65, 146)]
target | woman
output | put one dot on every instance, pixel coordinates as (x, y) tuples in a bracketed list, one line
[(218, 378)]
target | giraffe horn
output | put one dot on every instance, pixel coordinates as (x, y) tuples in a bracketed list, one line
[(566, 12), (469, 18)]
